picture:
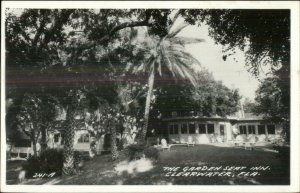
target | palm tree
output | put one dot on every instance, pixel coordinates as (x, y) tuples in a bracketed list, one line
[(169, 53), (73, 104), (112, 119)]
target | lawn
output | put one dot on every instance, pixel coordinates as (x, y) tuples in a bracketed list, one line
[(100, 170)]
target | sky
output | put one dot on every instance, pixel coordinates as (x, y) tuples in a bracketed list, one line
[(232, 73)]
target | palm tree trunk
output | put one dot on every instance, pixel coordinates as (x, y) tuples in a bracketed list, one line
[(114, 148), (68, 165), (147, 107)]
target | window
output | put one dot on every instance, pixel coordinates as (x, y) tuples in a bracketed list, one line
[(192, 128), (222, 128), (271, 129), (84, 138), (251, 129), (202, 129), (184, 128), (243, 129), (261, 129), (56, 138), (170, 129), (62, 141), (175, 129), (174, 114), (210, 128)]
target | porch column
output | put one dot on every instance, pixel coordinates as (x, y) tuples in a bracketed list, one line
[(256, 129)]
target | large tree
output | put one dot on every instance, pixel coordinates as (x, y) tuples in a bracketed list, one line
[(165, 55), (33, 115), (269, 102), (74, 101), (208, 98)]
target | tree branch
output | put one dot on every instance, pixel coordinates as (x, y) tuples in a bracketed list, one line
[(26, 132), (129, 24), (39, 32), (115, 29), (25, 36), (58, 23)]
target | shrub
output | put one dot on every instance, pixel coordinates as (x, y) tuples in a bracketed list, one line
[(283, 153), (81, 155), (151, 153), (32, 166), (51, 160), (136, 151)]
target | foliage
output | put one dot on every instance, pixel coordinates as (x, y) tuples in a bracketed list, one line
[(274, 103), (137, 151), (244, 29), (207, 98), (283, 152), (249, 106), (51, 160), (32, 38), (269, 98), (214, 98), (151, 153), (33, 114), (32, 166)]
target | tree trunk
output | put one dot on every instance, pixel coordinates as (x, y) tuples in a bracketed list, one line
[(147, 107), (34, 146), (68, 165), (114, 147), (43, 140)]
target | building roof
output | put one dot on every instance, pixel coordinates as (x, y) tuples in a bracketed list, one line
[(235, 117)]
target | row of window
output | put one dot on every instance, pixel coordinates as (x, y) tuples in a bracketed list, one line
[(191, 128), (261, 129), (84, 138)]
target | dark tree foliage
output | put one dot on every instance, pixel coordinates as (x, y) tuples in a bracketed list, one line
[(248, 106), (32, 38), (270, 101), (207, 98), (263, 34), (273, 103)]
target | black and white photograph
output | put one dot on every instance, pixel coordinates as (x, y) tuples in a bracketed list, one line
[(166, 94)]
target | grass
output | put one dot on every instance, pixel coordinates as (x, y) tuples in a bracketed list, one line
[(100, 170)]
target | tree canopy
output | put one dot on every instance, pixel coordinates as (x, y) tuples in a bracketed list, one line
[(265, 40), (208, 98), (64, 50)]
